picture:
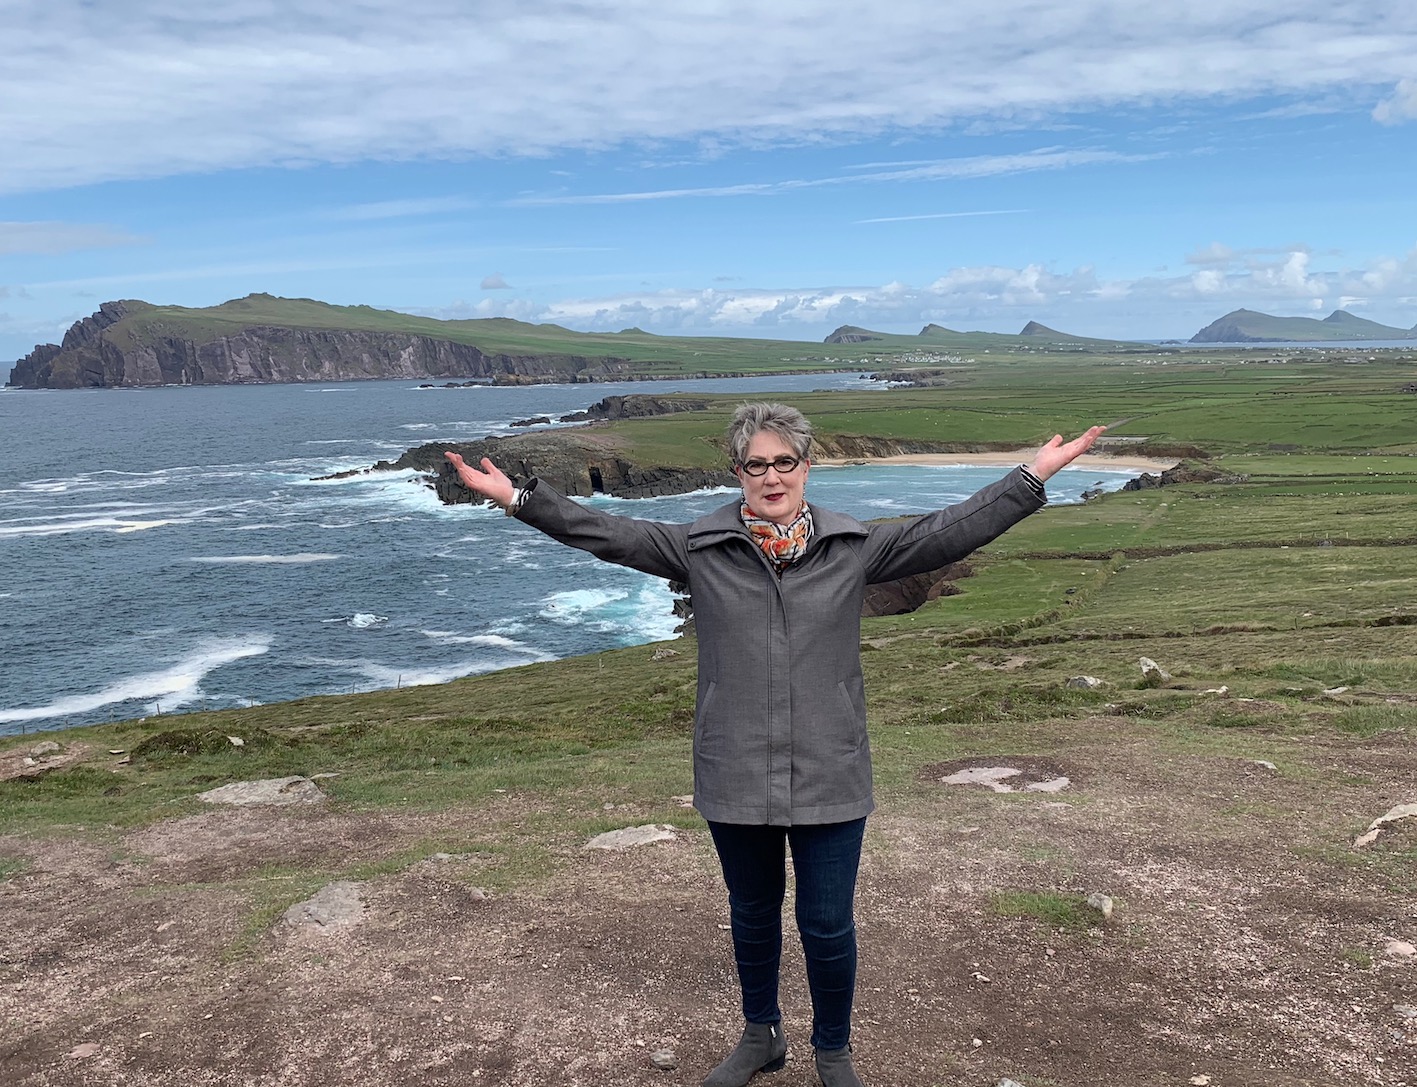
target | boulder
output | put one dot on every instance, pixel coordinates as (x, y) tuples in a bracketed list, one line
[(630, 837), (273, 791), (1152, 674), (334, 906)]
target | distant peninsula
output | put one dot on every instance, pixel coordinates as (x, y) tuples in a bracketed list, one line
[(1248, 326), (263, 339)]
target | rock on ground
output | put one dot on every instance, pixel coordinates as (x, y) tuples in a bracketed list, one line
[(629, 837), (291, 790), (334, 905)]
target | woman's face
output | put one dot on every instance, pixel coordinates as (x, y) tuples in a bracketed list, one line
[(773, 496)]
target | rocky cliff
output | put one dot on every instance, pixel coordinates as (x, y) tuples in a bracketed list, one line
[(96, 354), (852, 334), (580, 462)]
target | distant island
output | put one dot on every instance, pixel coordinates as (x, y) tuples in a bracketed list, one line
[(265, 339), (1248, 326)]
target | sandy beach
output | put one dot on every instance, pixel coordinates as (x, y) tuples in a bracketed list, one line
[(1107, 462)]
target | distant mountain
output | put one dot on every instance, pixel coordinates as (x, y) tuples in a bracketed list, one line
[(1042, 332), (1249, 326), (852, 334), (933, 335)]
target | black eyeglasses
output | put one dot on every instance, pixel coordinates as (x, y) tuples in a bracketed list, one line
[(781, 465)]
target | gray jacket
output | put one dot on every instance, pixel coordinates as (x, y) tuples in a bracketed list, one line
[(780, 722)]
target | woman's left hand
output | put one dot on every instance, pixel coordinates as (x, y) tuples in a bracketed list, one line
[(1059, 454)]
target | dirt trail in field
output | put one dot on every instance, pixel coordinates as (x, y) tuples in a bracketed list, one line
[(1250, 943)]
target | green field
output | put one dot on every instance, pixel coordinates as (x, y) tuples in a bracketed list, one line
[(1261, 415)]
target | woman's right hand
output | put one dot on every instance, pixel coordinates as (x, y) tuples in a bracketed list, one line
[(491, 482)]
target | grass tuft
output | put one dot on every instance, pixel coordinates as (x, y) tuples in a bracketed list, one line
[(1054, 908)]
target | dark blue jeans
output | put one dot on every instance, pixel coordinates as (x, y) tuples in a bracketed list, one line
[(825, 858)]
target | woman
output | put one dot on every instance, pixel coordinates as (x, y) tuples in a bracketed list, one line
[(781, 757)]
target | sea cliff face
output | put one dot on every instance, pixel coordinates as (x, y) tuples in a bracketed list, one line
[(93, 356), (575, 462)]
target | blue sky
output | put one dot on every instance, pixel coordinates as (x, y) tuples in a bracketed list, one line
[(711, 167)]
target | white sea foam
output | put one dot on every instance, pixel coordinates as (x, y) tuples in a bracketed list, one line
[(95, 524), (612, 499), (168, 689), (574, 605), (363, 620), (491, 641), (296, 559), (653, 617), (383, 676), (386, 475), (45, 486)]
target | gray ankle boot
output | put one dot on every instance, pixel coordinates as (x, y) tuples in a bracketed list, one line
[(834, 1068), (763, 1048)]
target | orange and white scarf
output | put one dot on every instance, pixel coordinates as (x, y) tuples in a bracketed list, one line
[(782, 544)]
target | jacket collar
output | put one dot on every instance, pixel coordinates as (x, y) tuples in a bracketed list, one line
[(725, 524)]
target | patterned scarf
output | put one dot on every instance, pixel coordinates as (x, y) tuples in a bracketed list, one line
[(780, 543)]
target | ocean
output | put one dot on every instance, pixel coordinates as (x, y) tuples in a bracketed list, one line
[(168, 550)]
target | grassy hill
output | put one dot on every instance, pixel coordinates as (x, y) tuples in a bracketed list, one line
[(1032, 337), (494, 335), (1248, 326)]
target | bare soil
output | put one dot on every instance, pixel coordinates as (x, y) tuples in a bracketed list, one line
[(1248, 942)]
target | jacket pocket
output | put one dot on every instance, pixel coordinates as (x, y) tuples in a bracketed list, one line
[(849, 730), (701, 717)]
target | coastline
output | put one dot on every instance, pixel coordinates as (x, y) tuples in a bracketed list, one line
[(1007, 459)]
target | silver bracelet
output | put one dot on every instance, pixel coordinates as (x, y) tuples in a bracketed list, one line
[(519, 495)]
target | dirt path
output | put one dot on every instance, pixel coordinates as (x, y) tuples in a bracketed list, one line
[(1249, 942)]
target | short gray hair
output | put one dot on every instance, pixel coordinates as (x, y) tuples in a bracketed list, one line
[(789, 424)]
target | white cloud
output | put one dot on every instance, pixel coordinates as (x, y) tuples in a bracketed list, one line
[(152, 88), (495, 282), (994, 298), (1209, 281), (1049, 158), (1214, 253), (1400, 107), (399, 209), (47, 239)]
